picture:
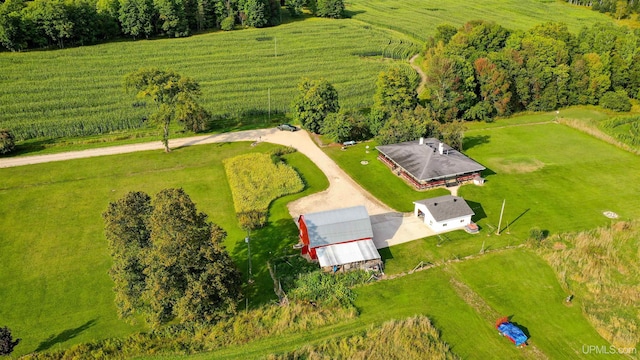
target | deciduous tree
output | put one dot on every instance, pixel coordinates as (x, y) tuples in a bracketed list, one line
[(174, 95), (7, 141), (169, 262), (315, 100)]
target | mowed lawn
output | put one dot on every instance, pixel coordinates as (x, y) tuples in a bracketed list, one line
[(54, 283), (520, 284), (420, 18), (243, 72), (552, 177)]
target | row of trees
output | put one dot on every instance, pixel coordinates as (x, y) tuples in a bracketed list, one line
[(483, 70), (45, 23), (169, 263), (617, 8), (396, 115)]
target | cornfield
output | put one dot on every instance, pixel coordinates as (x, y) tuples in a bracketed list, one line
[(78, 91)]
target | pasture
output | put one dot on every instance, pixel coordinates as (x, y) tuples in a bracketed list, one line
[(54, 282), (420, 18), (531, 294), (243, 74)]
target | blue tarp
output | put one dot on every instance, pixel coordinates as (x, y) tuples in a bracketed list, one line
[(512, 332)]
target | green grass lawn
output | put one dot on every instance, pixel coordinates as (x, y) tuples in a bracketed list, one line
[(71, 91), (376, 177), (514, 282), (519, 283), (54, 282), (552, 177), (420, 18)]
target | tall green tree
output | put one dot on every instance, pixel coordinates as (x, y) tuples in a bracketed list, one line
[(7, 141), (168, 260), (13, 31), (128, 239), (172, 17), (174, 95), (450, 83), (328, 8), (406, 126), (315, 100), (346, 125), (394, 94), (494, 85), (137, 17), (189, 275)]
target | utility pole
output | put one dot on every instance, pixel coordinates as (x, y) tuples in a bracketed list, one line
[(500, 221), (248, 241), (269, 96)]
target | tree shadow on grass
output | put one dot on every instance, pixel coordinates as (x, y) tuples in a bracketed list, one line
[(273, 241), (477, 209), (65, 335), (473, 141)]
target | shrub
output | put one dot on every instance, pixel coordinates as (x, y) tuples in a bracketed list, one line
[(330, 8), (227, 23), (329, 289), (536, 235), (616, 101), (7, 142)]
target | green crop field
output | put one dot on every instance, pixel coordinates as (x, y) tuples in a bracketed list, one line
[(79, 91), (54, 256), (420, 18)]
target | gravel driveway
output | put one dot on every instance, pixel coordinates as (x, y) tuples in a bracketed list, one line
[(389, 227)]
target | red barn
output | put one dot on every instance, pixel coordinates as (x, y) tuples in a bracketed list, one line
[(339, 239)]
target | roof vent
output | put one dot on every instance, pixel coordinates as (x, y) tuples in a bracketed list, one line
[(441, 148), (421, 141)]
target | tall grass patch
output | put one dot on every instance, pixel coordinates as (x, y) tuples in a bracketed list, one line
[(268, 320), (414, 338), (256, 180), (602, 267)]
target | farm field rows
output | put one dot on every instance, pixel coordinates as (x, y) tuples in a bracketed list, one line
[(79, 91), (54, 254), (420, 18)]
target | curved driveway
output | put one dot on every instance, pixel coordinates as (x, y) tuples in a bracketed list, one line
[(389, 227)]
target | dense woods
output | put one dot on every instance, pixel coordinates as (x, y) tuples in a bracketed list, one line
[(59, 23), (484, 70)]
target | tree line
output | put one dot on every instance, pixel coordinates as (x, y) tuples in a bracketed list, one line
[(483, 70), (616, 8), (58, 23)]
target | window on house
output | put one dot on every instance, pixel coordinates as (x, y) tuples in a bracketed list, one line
[(462, 220), (443, 225)]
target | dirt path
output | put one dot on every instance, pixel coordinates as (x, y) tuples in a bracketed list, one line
[(418, 69), (389, 227)]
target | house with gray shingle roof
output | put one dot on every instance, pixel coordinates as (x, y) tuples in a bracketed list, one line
[(428, 163), (444, 213)]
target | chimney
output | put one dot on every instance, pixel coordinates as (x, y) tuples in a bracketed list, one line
[(421, 141), (441, 148)]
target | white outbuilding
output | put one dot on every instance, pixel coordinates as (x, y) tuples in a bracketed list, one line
[(444, 213)]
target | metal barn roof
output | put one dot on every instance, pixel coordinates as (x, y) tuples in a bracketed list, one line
[(446, 207), (340, 254), (336, 226), (424, 161)]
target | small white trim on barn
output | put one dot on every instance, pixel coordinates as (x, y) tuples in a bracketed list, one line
[(444, 213)]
